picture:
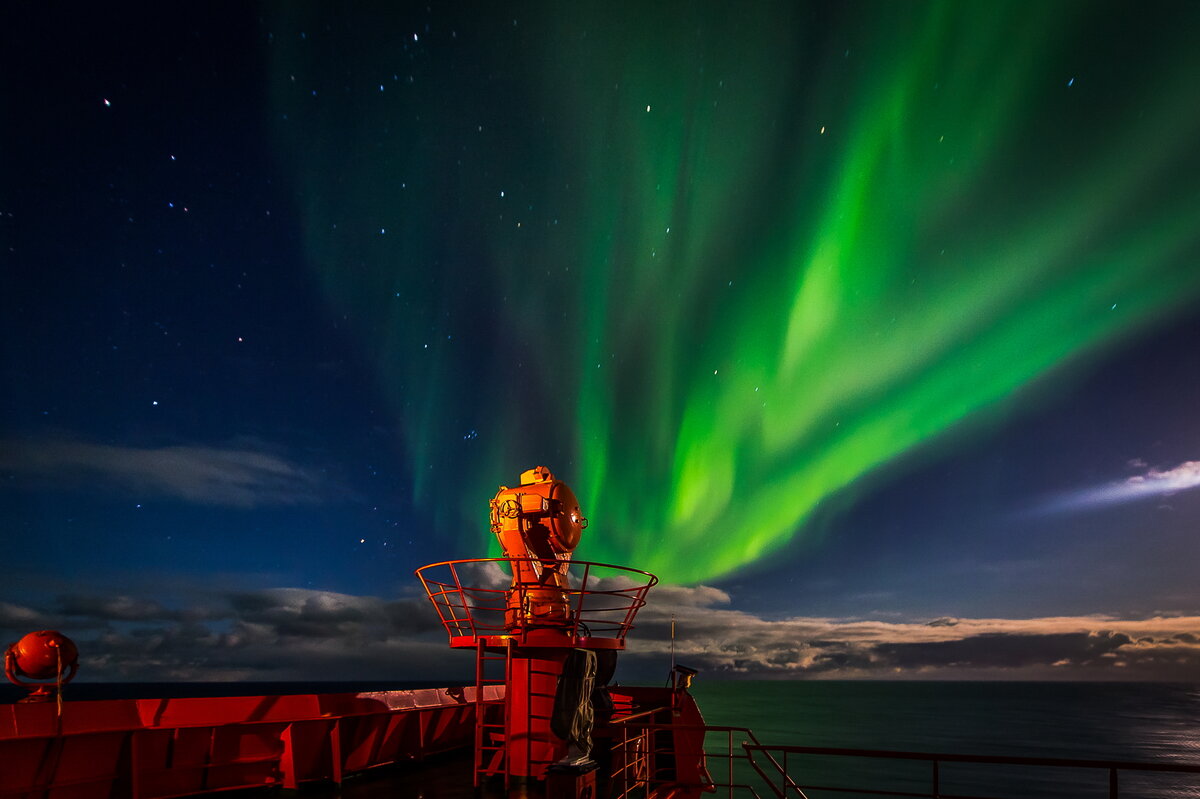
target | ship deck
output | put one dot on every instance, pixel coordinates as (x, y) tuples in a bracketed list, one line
[(446, 776)]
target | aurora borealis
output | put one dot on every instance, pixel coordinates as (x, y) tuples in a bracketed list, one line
[(721, 265), (869, 327)]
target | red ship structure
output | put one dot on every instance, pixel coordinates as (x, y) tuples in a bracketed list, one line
[(551, 637), (541, 719), (544, 630)]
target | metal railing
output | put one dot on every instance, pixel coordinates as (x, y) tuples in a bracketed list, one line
[(472, 596), (647, 750), (649, 755), (782, 782)]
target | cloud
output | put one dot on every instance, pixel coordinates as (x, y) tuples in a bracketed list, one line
[(1150, 482), (303, 634), (723, 641), (238, 477), (19, 617), (273, 634), (114, 608)]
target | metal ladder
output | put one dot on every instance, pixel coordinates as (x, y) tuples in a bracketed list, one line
[(490, 714)]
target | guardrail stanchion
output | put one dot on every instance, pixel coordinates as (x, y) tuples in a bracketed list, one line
[(729, 750)]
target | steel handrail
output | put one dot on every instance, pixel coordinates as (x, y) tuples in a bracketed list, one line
[(1004, 760), (936, 758), (633, 724), (479, 605), (783, 783)]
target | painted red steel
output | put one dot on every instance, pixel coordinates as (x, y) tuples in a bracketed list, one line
[(471, 598), (475, 601), (530, 746), (151, 748), (656, 737)]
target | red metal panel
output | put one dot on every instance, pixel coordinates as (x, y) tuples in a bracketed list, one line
[(91, 759), (401, 740), (532, 680), (23, 761), (256, 742), (178, 781), (157, 748), (447, 728), (311, 749), (226, 710), (360, 741)]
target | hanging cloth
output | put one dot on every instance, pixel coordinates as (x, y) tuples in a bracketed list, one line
[(572, 718)]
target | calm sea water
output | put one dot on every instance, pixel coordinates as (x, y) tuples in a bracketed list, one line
[(1105, 721)]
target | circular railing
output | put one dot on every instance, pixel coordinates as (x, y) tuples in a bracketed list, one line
[(474, 599)]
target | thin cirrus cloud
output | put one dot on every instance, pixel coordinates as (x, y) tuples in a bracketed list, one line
[(1151, 482), (237, 477)]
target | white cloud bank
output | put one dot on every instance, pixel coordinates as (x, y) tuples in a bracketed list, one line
[(724, 641)]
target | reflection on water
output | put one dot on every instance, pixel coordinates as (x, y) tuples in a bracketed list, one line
[(1102, 721)]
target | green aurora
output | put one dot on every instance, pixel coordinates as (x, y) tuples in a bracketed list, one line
[(713, 266)]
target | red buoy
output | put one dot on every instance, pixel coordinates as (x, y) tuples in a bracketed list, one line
[(45, 655)]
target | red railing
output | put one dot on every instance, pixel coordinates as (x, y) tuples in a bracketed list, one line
[(471, 598), (646, 752)]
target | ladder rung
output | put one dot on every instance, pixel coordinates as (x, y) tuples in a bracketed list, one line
[(490, 744)]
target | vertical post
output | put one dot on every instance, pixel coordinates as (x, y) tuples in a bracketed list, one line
[(462, 597), (287, 760), (648, 753), (579, 605), (527, 711), (335, 749), (135, 770), (422, 732), (729, 752), (208, 758), (623, 762), (479, 655), (1112, 783), (936, 788)]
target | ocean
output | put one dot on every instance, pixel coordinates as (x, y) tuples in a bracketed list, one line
[(1144, 722)]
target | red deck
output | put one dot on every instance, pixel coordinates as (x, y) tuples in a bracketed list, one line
[(146, 748)]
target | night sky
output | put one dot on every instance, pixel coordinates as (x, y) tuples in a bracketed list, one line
[(873, 329)]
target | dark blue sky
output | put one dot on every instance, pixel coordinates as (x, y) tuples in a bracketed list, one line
[(263, 352)]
